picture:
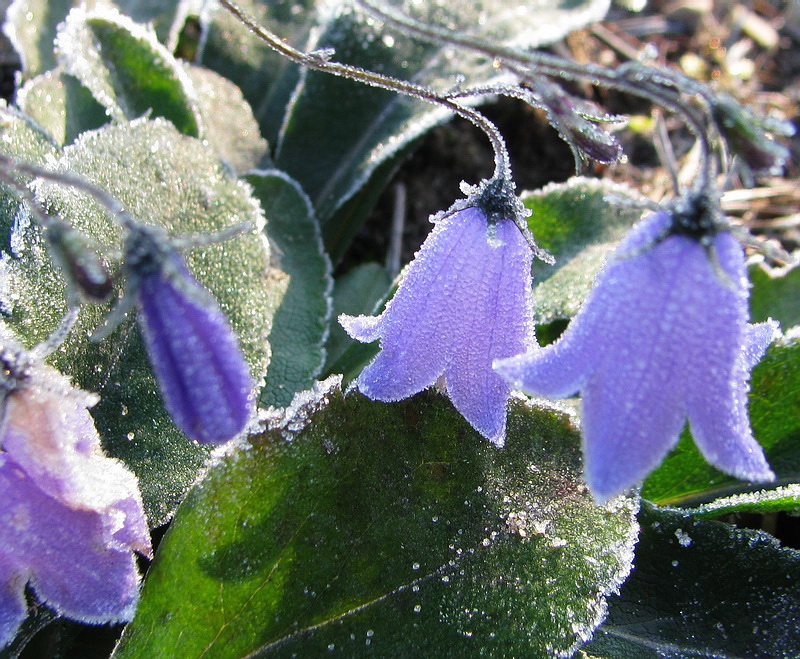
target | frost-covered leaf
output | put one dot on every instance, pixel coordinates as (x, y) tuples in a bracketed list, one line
[(300, 324), (31, 24), (355, 528), (31, 27), (703, 589), (60, 104), (230, 127), (361, 291), (127, 70), (785, 497), (775, 292), (353, 129), (20, 137), (161, 177), (579, 222), (686, 479)]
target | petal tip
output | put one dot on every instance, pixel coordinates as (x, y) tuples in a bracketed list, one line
[(365, 329)]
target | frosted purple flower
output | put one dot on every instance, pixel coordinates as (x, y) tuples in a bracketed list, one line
[(464, 301), (203, 376), (662, 337), (71, 517)]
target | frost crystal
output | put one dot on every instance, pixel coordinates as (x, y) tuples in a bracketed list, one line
[(662, 337), (71, 517), (465, 300)]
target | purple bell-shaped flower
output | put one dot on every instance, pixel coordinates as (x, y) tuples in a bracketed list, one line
[(71, 517), (662, 337), (464, 301)]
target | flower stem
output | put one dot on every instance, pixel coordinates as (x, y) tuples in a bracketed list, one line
[(662, 87), (320, 61)]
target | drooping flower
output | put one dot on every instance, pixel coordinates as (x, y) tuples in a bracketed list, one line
[(464, 301), (71, 517), (203, 377), (662, 337)]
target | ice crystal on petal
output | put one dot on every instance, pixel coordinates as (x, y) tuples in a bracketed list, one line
[(464, 301), (662, 337), (203, 376), (71, 516)]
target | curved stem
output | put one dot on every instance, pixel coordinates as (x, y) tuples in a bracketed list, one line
[(112, 204), (320, 62), (635, 79)]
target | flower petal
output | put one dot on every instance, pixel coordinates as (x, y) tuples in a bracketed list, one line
[(496, 321), (64, 552), (757, 340), (718, 361), (416, 327), (630, 421), (362, 328), (562, 369), (662, 335), (200, 369), (13, 607)]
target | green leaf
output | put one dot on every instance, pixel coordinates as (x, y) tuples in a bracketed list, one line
[(358, 528), (339, 230), (703, 589), (230, 127), (32, 24), (350, 127), (59, 103), (775, 292), (20, 137), (301, 321), (363, 290), (161, 177), (127, 70), (31, 27), (686, 479), (775, 500), (579, 222)]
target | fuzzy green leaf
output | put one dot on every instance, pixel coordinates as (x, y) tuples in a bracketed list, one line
[(165, 178), (301, 321), (20, 137), (127, 70), (230, 127), (356, 528), (266, 79), (775, 292), (579, 222), (32, 25), (782, 498), (60, 104)]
